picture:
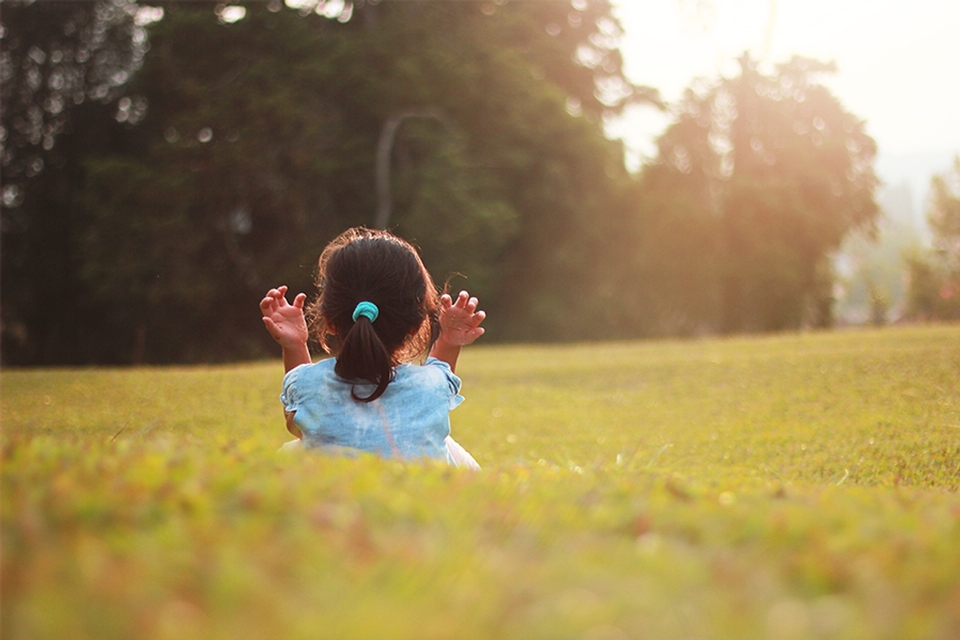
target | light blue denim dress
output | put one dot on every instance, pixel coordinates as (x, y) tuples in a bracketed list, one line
[(410, 420)]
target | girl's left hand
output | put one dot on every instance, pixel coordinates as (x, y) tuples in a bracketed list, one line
[(460, 320)]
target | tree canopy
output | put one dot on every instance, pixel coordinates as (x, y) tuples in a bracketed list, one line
[(238, 147), (755, 185), (63, 68), (934, 287), (164, 166)]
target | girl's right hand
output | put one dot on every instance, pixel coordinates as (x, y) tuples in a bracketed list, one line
[(284, 321)]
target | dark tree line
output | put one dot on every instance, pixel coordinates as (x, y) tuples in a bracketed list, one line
[(63, 66), (188, 160)]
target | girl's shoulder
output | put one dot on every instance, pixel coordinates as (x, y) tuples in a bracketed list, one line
[(436, 362), (433, 370), (311, 371), (430, 367), (432, 373)]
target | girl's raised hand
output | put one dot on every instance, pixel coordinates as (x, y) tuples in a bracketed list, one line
[(460, 320), (284, 321)]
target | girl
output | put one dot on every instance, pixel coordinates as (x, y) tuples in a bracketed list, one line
[(378, 310)]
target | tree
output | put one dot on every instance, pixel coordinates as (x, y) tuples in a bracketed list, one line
[(519, 187), (944, 218), (934, 287), (64, 66), (676, 249), (789, 175), (242, 160), (57, 55), (256, 145)]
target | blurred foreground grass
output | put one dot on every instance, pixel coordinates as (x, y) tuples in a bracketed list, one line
[(800, 486)]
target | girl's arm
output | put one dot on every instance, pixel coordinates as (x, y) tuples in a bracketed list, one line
[(291, 427), (459, 326), (285, 322)]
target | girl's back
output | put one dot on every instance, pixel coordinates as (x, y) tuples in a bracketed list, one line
[(410, 420)]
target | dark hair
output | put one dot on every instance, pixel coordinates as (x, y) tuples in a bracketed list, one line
[(374, 266)]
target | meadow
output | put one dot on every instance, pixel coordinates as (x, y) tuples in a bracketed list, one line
[(785, 487)]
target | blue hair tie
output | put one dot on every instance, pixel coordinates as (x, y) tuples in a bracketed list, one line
[(367, 310)]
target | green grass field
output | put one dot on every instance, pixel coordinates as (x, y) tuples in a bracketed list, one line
[(797, 486)]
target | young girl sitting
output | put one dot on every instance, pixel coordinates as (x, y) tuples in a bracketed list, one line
[(378, 310)]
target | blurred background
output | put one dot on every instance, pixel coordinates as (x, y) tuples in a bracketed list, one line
[(590, 169)]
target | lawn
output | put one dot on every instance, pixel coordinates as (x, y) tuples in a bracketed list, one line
[(793, 486)]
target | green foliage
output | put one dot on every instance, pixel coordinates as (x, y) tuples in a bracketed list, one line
[(64, 66), (791, 487), (677, 258), (240, 148), (768, 174), (233, 192), (934, 289), (57, 55), (871, 269), (944, 216)]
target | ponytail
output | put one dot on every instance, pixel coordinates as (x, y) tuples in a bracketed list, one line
[(363, 355)]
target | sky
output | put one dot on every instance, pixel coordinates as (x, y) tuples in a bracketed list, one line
[(898, 66)]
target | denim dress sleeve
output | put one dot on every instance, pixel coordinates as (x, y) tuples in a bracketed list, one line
[(289, 397), (453, 382)]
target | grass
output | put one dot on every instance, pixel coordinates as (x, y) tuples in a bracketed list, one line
[(797, 486)]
